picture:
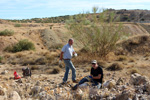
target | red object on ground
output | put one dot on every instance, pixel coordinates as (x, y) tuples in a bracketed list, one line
[(16, 76)]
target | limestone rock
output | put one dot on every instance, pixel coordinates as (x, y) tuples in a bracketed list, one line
[(35, 90), (125, 95), (14, 96), (137, 79), (109, 84)]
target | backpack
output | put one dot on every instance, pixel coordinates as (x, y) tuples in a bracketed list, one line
[(26, 72)]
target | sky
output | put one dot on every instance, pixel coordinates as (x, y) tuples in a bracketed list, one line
[(27, 9)]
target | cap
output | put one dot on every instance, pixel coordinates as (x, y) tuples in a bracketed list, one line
[(94, 62)]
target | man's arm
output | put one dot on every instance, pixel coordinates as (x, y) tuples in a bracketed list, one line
[(96, 77), (61, 55)]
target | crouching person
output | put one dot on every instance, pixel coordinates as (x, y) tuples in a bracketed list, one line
[(96, 76), (26, 72)]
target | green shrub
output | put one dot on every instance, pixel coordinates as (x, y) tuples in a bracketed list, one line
[(6, 32), (98, 34), (115, 67), (56, 70), (122, 58), (34, 67), (21, 46), (17, 25), (57, 46), (133, 70), (1, 59)]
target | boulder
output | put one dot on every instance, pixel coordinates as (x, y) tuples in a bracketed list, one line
[(147, 87), (109, 84), (14, 96), (35, 90), (125, 95), (2, 93), (4, 72), (44, 96), (137, 79)]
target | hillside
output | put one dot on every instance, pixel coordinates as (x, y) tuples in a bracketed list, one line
[(122, 68), (137, 16)]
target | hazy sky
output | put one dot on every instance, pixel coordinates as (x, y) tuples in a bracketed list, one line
[(24, 9)]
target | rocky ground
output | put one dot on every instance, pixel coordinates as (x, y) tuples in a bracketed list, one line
[(126, 70)]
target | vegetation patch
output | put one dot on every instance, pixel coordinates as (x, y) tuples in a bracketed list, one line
[(122, 58), (1, 59), (57, 46), (133, 70), (98, 32), (21, 46), (55, 70), (34, 67), (17, 25), (115, 67), (6, 32)]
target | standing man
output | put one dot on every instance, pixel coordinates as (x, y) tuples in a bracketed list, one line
[(66, 54), (96, 76)]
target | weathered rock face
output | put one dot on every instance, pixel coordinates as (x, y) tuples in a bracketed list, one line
[(4, 72), (142, 81), (2, 93), (125, 95), (14, 96), (35, 90), (109, 84), (44, 96), (147, 86), (137, 79)]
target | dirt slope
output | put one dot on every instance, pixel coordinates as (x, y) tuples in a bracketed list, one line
[(134, 29), (139, 44), (45, 38)]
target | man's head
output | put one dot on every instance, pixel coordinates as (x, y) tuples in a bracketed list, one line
[(70, 41), (94, 64)]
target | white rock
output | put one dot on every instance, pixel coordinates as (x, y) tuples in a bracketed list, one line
[(14, 96), (137, 79), (109, 84), (2, 93), (35, 90), (125, 95)]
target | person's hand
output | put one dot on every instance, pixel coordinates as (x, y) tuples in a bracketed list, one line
[(90, 76), (75, 54), (59, 61)]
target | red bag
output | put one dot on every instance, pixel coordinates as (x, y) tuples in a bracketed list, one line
[(16, 76)]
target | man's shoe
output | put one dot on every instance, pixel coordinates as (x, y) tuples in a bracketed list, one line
[(75, 81), (75, 87), (63, 83)]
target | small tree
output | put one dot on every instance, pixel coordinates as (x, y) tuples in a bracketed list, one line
[(21, 46), (6, 32), (98, 32), (1, 58)]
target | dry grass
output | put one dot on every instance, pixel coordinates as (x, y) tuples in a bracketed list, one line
[(34, 67), (115, 67), (122, 58), (131, 59), (55, 70), (134, 70)]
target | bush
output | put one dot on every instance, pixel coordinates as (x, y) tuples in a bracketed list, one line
[(21, 46), (56, 70), (34, 67), (133, 70), (98, 34), (6, 32), (1, 59), (122, 58), (17, 25), (57, 46), (115, 67)]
